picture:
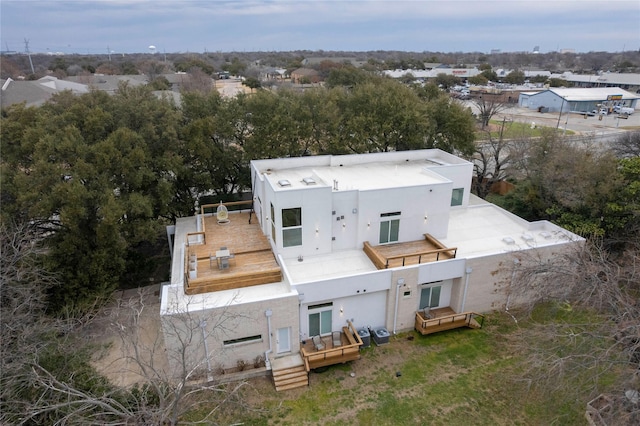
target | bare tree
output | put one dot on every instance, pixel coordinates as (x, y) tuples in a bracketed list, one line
[(43, 381), (487, 108), (24, 327), (154, 384), (627, 145), (197, 81), (593, 350)]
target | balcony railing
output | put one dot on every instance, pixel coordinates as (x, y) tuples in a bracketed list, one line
[(425, 325), (334, 355)]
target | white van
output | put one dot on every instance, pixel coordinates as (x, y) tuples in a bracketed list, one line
[(622, 110)]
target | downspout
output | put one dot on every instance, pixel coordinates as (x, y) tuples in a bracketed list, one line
[(395, 312), (267, 363), (468, 272)]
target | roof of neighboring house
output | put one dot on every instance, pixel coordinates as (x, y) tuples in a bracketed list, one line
[(108, 83), (337, 60), (36, 92), (305, 71)]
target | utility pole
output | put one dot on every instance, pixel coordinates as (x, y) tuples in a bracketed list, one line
[(26, 49), (109, 52)]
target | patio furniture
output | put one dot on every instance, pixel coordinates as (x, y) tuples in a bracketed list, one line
[(337, 340), (427, 313), (317, 342), (222, 214)]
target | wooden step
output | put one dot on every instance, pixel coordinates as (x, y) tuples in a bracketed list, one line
[(292, 386), (288, 371), (290, 378)]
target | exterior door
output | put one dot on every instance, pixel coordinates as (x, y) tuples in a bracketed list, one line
[(283, 342)]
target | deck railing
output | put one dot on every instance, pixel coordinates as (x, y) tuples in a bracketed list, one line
[(337, 355), (382, 262), (448, 322)]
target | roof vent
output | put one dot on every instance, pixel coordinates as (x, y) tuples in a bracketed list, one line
[(545, 235), (308, 181), (527, 237), (284, 182), (509, 240)]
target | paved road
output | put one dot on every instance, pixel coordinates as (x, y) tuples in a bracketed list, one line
[(591, 126)]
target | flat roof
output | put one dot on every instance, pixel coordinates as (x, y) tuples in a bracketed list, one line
[(175, 301), (360, 177), (359, 172), (485, 229), (592, 94), (326, 266)]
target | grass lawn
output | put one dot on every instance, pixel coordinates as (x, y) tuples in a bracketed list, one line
[(456, 377), (513, 130)]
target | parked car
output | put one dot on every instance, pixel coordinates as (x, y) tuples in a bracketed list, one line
[(601, 111)]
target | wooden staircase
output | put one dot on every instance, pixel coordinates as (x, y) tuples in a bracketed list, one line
[(289, 372)]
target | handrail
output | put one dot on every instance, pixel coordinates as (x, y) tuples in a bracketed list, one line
[(338, 352), (227, 204), (420, 254), (198, 233), (466, 316)]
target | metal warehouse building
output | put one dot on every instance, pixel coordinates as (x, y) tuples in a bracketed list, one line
[(579, 100)]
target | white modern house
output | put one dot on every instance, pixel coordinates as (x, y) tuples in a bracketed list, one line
[(332, 249)]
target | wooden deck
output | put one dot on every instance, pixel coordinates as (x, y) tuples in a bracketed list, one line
[(348, 351), (446, 319), (410, 253), (252, 261)]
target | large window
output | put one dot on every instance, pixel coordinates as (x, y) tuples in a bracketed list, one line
[(320, 319), (430, 297), (292, 227), (389, 227), (456, 196)]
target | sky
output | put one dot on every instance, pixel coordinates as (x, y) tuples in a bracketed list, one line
[(133, 26)]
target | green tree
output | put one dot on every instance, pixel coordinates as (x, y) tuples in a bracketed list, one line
[(490, 75), (446, 80), (94, 171), (478, 80), (515, 77), (347, 76), (382, 116), (558, 82)]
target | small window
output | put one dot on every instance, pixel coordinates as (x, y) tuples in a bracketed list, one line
[(456, 196), (249, 339), (407, 293)]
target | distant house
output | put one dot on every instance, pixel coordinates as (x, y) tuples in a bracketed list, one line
[(108, 83), (314, 61), (332, 251), (305, 75), (37, 92)]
